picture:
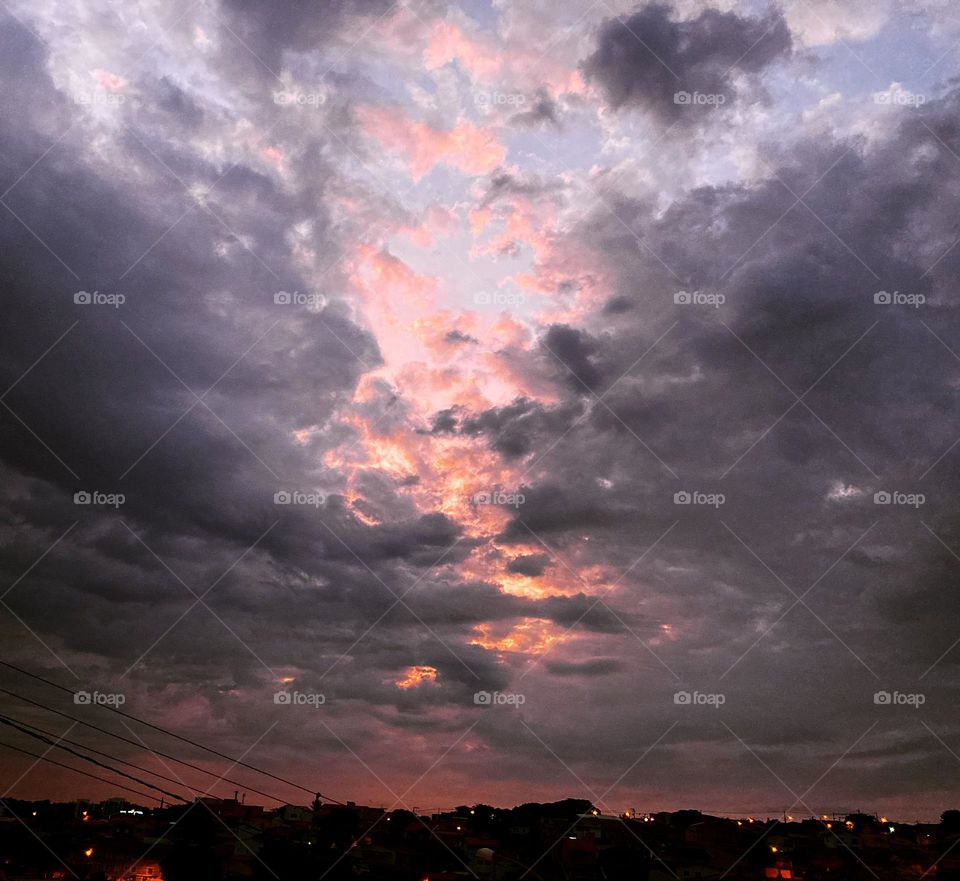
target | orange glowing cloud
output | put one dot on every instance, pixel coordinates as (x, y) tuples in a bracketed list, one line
[(433, 330), (397, 454), (466, 147), (530, 636), (414, 676), (437, 387)]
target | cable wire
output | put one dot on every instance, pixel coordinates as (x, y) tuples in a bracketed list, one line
[(141, 745), (105, 754), (78, 771), (173, 734), (57, 745)]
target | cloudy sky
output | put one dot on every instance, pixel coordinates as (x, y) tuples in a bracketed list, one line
[(599, 358)]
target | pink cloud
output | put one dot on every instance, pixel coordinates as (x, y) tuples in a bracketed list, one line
[(467, 147), (111, 82), (514, 64), (441, 219), (273, 155), (437, 222), (447, 43)]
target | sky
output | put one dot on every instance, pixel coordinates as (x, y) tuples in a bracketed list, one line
[(491, 402)]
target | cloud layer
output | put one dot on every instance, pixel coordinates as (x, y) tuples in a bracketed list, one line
[(389, 352)]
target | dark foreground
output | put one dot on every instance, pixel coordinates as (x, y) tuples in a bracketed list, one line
[(221, 840)]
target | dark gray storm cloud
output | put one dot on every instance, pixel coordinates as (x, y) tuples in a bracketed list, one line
[(543, 111), (800, 397), (592, 667), (299, 25), (185, 399), (650, 60), (531, 565), (696, 447)]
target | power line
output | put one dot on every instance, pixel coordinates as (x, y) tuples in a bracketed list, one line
[(78, 771), (173, 734), (106, 755), (141, 746), (56, 744)]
